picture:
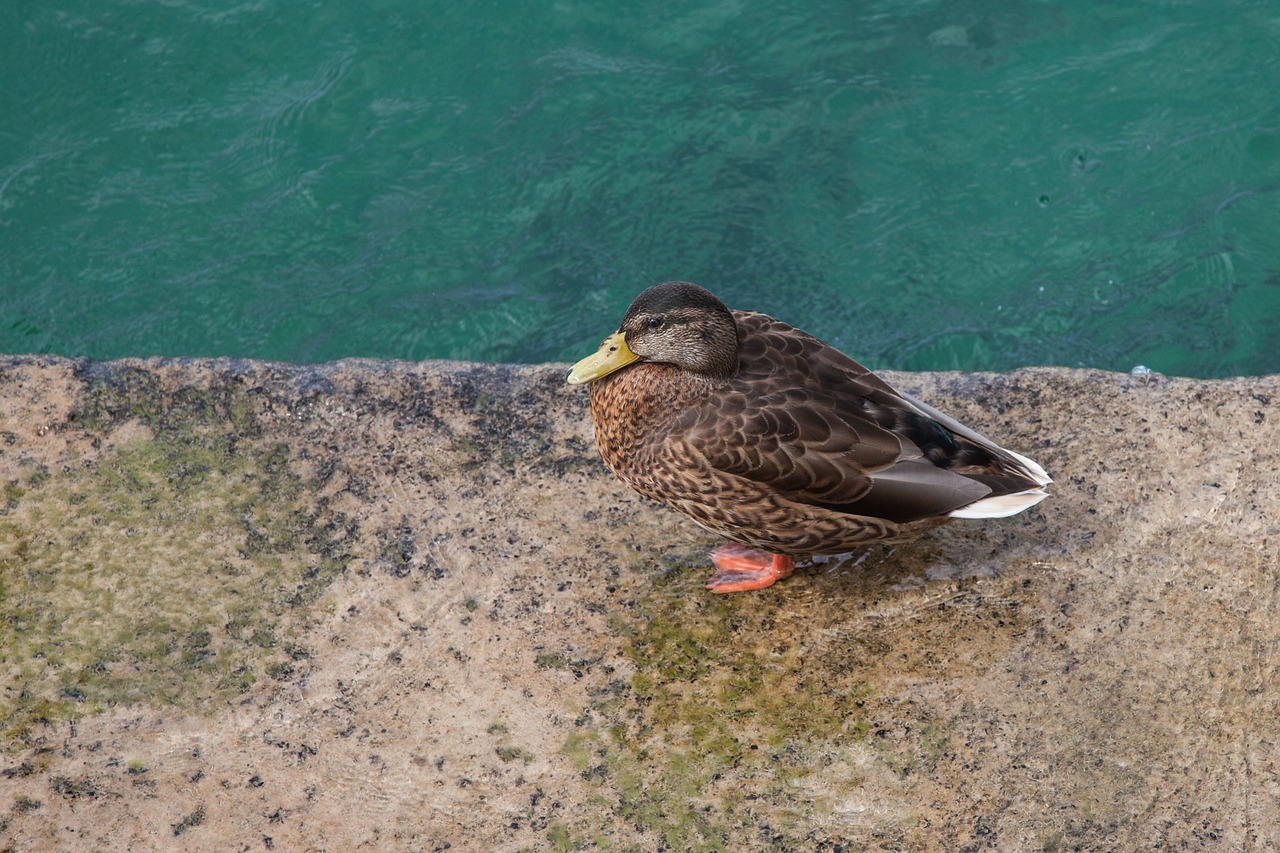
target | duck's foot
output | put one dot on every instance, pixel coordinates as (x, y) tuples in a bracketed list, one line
[(739, 568)]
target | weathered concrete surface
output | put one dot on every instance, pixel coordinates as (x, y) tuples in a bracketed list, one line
[(402, 606)]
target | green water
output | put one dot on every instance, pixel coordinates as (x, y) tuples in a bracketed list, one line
[(927, 184)]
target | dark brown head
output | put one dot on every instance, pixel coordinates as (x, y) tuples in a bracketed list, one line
[(674, 323), (685, 325)]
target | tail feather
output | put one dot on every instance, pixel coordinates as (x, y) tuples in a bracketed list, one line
[(1001, 506)]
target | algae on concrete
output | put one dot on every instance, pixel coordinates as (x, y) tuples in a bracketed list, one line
[(173, 567)]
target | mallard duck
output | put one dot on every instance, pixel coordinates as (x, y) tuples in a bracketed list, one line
[(778, 441)]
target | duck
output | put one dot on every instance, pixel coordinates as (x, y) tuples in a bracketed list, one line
[(779, 442)]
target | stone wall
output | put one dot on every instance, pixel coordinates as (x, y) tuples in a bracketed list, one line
[(391, 606)]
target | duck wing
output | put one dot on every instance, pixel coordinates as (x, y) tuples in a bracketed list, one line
[(816, 427)]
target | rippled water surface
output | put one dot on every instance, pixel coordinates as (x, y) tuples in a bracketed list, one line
[(930, 185)]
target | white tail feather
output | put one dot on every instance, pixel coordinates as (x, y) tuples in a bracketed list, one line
[(1002, 506), (1034, 471)]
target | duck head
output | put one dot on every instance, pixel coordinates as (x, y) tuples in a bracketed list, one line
[(676, 323)]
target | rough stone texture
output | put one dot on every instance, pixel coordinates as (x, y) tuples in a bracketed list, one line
[(389, 606)]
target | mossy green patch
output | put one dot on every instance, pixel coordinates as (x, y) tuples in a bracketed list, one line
[(705, 746), (174, 569), (560, 839), (117, 393), (746, 721), (551, 660), (509, 753)]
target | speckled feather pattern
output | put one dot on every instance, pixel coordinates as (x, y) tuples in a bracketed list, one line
[(801, 451)]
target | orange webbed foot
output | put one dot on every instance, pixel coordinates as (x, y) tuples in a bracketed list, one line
[(739, 569)]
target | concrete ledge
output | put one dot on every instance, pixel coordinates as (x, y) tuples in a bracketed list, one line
[(389, 605)]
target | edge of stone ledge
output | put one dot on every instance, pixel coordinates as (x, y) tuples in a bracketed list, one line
[(947, 381)]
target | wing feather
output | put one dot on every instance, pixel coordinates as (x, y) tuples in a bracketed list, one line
[(815, 425)]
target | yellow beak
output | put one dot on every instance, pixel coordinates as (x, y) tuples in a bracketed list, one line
[(614, 354)]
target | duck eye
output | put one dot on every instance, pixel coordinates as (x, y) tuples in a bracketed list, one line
[(655, 323)]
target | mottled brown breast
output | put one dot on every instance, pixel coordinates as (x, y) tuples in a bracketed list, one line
[(635, 413)]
